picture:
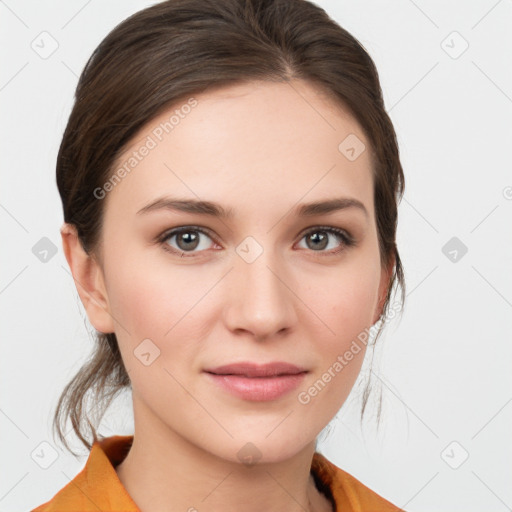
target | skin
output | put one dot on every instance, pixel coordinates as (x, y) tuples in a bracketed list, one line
[(258, 148)]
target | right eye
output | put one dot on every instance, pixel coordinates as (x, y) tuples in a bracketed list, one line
[(186, 239)]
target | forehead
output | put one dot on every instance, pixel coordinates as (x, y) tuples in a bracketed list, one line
[(245, 143)]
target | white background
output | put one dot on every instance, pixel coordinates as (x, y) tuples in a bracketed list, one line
[(444, 370)]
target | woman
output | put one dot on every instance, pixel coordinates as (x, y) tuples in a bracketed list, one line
[(229, 179)]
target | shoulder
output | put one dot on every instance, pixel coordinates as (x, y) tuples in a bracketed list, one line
[(97, 486), (69, 497), (348, 492)]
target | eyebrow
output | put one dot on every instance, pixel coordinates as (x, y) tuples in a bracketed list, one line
[(216, 210)]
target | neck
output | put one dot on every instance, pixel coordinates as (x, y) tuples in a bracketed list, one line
[(201, 480)]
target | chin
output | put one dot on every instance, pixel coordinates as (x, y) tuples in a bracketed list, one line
[(261, 449)]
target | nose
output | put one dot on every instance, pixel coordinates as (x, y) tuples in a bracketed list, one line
[(261, 300)]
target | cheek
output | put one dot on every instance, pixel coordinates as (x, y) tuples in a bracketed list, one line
[(151, 298), (147, 296), (349, 300), (346, 308), (142, 304)]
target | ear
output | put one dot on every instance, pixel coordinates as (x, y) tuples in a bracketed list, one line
[(385, 276), (89, 281)]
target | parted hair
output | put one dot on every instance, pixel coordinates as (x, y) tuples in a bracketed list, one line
[(170, 51)]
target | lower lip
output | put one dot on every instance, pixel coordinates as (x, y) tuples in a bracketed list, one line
[(258, 388)]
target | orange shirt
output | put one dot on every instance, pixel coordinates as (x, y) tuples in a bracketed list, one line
[(97, 486)]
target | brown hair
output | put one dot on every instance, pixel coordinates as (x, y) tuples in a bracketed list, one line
[(178, 48)]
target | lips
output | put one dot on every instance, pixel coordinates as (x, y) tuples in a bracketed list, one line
[(252, 370), (259, 383)]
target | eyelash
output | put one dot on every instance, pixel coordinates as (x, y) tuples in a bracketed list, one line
[(346, 239)]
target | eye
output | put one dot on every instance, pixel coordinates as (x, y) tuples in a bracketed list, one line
[(187, 239), (317, 239)]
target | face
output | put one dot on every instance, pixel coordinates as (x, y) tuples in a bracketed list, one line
[(189, 290)]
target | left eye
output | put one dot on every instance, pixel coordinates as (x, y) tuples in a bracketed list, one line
[(317, 239)]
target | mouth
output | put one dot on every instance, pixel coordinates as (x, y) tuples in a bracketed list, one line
[(252, 370), (253, 382)]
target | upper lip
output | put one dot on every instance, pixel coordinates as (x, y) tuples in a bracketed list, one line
[(248, 369)]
